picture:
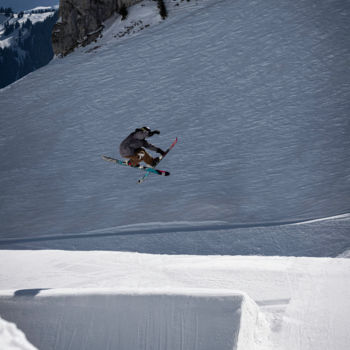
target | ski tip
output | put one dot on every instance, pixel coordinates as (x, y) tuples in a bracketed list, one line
[(109, 159)]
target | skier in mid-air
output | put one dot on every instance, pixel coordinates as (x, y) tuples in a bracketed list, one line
[(132, 147)]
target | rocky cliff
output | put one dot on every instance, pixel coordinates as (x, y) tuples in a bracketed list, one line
[(81, 21)]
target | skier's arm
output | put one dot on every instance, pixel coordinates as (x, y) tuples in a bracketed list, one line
[(154, 132), (153, 148)]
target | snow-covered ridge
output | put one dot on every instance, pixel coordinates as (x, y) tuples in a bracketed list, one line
[(42, 9), (25, 42), (10, 29)]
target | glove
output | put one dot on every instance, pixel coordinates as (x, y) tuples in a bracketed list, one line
[(161, 152), (155, 132)]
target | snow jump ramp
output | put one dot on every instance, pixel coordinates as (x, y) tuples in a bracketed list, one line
[(137, 320)]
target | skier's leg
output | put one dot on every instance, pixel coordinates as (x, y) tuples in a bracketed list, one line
[(140, 156), (145, 157), (133, 160)]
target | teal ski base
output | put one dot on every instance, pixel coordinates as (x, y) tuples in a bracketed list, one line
[(141, 167), (144, 177)]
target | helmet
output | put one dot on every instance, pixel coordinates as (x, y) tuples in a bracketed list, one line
[(145, 129)]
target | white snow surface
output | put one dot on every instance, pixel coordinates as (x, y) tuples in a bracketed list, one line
[(140, 17), (246, 241), (291, 303), (11, 338)]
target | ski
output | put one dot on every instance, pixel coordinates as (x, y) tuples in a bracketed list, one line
[(141, 167), (143, 178)]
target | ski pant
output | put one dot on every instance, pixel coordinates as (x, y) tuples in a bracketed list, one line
[(140, 156)]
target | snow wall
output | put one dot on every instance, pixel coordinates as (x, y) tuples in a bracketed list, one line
[(109, 319)]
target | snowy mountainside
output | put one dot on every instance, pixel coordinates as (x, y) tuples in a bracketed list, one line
[(139, 17), (142, 16), (25, 42)]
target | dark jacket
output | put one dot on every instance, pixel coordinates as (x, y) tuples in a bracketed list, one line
[(136, 140)]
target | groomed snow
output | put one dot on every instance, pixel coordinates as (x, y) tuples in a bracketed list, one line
[(134, 319), (303, 303)]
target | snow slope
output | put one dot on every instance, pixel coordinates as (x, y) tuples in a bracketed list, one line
[(257, 93), (327, 237)]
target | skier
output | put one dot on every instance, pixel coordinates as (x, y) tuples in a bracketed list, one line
[(132, 147)]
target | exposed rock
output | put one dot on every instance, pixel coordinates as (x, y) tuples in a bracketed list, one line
[(81, 22)]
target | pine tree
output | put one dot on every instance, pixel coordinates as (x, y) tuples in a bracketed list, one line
[(162, 9), (123, 12)]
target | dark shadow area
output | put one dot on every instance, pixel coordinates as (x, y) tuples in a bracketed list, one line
[(327, 238), (28, 292), (33, 50), (93, 322), (66, 236)]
